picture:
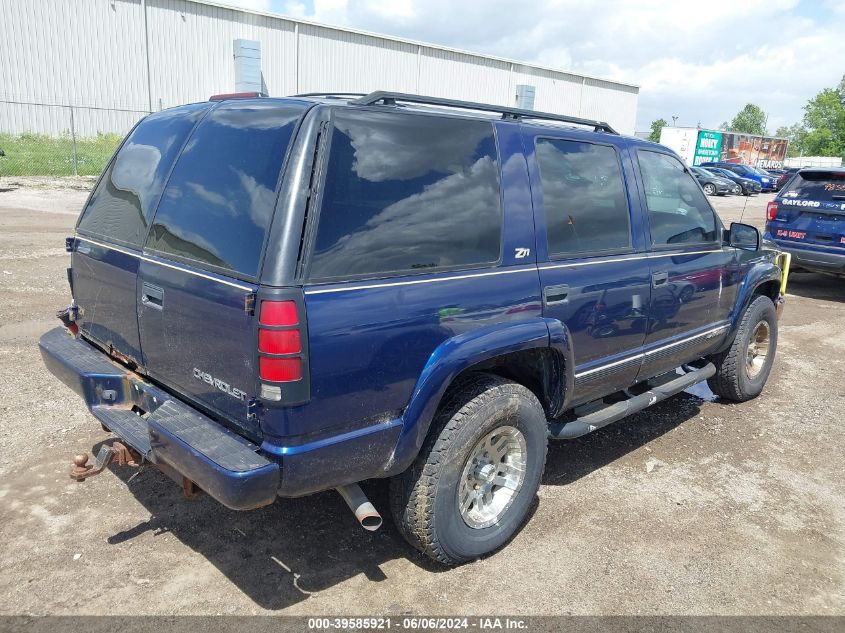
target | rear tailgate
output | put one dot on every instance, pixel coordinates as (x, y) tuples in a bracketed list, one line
[(113, 225), (197, 282), (812, 209)]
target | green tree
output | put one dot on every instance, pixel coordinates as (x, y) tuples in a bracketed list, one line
[(797, 136), (824, 119), (751, 120), (656, 126)]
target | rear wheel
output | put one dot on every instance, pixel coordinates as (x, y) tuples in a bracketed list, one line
[(709, 189), (471, 486), (743, 369)]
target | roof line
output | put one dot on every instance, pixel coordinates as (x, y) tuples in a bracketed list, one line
[(401, 40)]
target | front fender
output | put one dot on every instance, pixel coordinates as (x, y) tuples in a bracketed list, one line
[(760, 272), (460, 352)]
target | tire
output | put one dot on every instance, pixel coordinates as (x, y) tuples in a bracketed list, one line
[(425, 498), (736, 378), (709, 189)]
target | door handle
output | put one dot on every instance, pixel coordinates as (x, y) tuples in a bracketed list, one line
[(556, 294), (152, 296), (659, 279)]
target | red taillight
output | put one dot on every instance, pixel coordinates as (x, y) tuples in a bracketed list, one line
[(771, 210), (279, 333), (279, 341), (278, 313), (280, 369)]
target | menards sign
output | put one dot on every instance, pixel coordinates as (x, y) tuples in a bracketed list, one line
[(735, 147)]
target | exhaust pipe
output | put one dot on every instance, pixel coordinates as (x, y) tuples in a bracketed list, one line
[(365, 512)]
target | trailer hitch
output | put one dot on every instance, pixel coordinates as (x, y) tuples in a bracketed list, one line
[(117, 452)]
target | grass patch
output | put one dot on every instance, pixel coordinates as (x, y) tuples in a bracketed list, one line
[(41, 155)]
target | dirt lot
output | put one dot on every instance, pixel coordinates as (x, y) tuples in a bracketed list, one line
[(692, 507)]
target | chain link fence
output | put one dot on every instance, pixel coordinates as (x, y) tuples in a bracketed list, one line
[(41, 139)]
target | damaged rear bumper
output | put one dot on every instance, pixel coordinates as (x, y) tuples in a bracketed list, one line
[(163, 429)]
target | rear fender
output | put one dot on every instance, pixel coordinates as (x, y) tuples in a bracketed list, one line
[(464, 351)]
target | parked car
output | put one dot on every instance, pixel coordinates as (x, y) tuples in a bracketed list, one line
[(747, 186), (274, 297), (714, 185), (786, 175), (807, 219), (767, 183)]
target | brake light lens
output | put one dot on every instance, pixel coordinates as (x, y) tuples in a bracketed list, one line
[(280, 369), (771, 210), (278, 313), (279, 341)]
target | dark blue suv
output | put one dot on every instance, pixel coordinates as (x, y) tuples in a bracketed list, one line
[(274, 297), (807, 219)]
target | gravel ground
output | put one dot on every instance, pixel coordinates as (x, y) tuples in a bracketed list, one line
[(691, 507)]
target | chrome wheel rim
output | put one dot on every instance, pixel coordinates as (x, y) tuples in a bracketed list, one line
[(492, 477), (758, 350)]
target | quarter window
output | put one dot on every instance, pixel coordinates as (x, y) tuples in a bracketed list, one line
[(583, 196), (407, 193), (124, 200), (678, 212), (219, 200)]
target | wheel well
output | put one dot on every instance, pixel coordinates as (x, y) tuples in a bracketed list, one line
[(540, 370), (770, 289)]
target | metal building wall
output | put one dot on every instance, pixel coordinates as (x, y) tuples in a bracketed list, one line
[(93, 53)]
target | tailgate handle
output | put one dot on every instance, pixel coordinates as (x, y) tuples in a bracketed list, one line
[(556, 294), (152, 296)]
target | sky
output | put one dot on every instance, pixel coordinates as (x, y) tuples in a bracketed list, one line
[(701, 62)]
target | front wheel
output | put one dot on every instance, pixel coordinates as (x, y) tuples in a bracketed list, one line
[(743, 369), (471, 486), (709, 189)]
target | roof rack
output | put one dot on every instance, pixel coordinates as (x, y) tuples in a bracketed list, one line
[(390, 98), (335, 95)]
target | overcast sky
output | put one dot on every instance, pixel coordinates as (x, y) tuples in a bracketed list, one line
[(698, 61)]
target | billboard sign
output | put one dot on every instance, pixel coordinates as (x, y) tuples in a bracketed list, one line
[(708, 148), (757, 151)]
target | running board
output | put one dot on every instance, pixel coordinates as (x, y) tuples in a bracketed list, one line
[(660, 388)]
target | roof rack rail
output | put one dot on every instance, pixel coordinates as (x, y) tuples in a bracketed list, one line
[(337, 95), (390, 98)]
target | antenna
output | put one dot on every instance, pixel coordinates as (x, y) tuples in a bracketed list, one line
[(744, 207)]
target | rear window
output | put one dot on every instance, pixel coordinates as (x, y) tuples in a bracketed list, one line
[(219, 200), (125, 198), (824, 186), (407, 193)]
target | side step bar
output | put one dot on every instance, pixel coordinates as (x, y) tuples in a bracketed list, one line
[(659, 389)]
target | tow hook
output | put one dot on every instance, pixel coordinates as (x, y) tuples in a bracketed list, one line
[(117, 452)]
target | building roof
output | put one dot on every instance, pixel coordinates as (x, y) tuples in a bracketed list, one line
[(400, 40)]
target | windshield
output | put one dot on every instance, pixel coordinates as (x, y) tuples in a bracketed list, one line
[(817, 185)]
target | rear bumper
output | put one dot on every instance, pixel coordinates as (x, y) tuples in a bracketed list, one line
[(819, 259), (226, 466)]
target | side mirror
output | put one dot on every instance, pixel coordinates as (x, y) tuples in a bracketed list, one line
[(744, 236)]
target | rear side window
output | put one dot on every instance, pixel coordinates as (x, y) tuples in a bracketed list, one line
[(124, 200), (219, 200), (823, 186), (678, 212), (407, 193), (583, 196)]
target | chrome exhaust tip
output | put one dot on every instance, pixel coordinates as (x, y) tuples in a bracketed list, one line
[(364, 511)]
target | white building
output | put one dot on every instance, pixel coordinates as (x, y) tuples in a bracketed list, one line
[(104, 63)]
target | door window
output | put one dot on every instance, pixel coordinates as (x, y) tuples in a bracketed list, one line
[(407, 193), (678, 212), (583, 196)]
